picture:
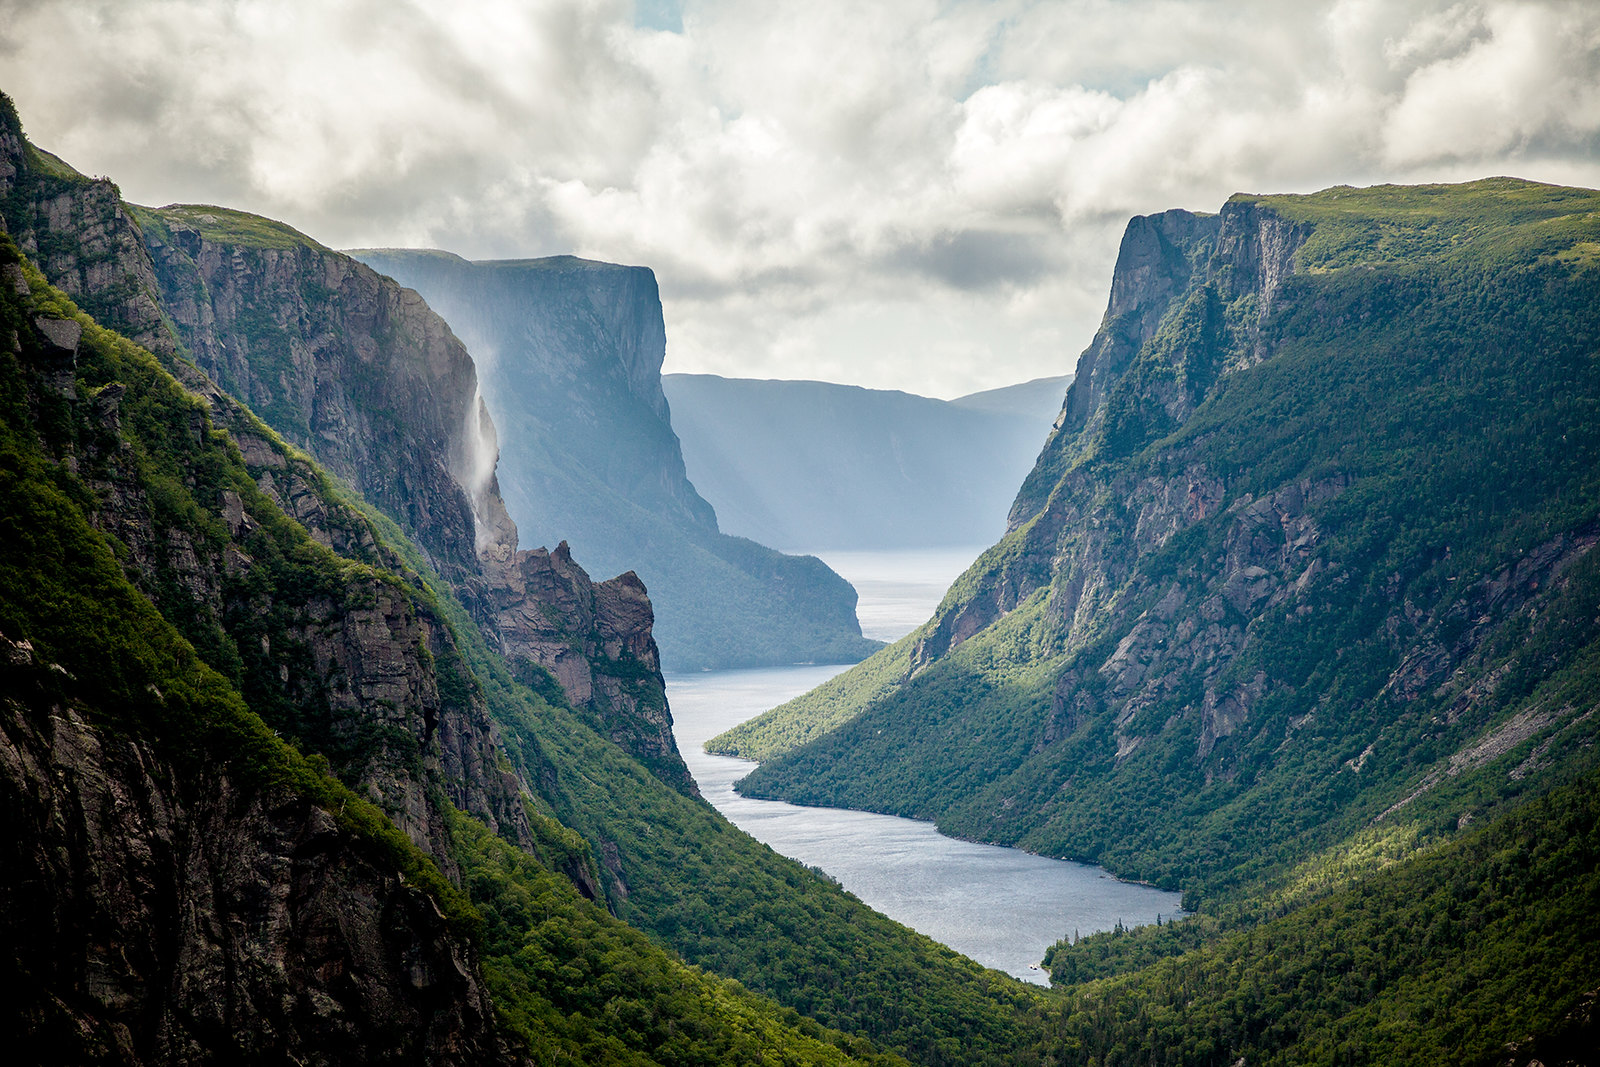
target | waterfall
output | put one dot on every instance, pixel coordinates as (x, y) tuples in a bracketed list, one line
[(482, 452)]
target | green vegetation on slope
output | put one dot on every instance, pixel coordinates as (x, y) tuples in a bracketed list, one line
[(670, 865), (608, 992), (571, 980), (1504, 918), (1473, 946), (807, 717), (1451, 406), (222, 226), (677, 869)]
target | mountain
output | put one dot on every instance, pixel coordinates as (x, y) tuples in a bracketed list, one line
[(1310, 553), (1299, 611), (819, 465), (181, 882), (272, 788), (290, 328), (1037, 400), (1324, 474), (275, 788), (571, 355)]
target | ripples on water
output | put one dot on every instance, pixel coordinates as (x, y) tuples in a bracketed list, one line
[(1001, 906)]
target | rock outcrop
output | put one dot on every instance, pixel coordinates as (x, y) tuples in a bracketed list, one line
[(595, 645), (155, 917), (80, 233)]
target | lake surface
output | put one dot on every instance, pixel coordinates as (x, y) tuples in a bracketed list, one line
[(899, 590), (1001, 906)]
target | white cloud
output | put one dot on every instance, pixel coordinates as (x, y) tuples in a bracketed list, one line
[(1530, 77), (911, 193)]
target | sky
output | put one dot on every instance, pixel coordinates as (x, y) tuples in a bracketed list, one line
[(903, 194)]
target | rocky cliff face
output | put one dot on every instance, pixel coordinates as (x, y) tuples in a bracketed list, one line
[(570, 349), (339, 361), (1265, 544), (1133, 383), (154, 917), (80, 234), (343, 658), (571, 354), (1238, 257), (159, 907), (358, 370), (595, 645)]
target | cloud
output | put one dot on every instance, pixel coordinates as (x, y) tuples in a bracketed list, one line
[(1528, 77), (910, 193)]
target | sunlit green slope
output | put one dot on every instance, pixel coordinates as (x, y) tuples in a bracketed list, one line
[(1310, 553)]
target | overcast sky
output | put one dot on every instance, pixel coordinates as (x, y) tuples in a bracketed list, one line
[(901, 194)]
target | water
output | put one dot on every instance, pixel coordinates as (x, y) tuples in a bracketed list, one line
[(898, 590), (1001, 906)]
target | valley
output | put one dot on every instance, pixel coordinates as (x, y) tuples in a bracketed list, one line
[(321, 742), (999, 906)]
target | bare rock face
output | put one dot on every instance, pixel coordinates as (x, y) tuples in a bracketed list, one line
[(571, 354), (351, 663), (594, 640), (1245, 251), (1086, 538), (338, 360), (154, 917), (1077, 542), (359, 372), (79, 233), (572, 351)]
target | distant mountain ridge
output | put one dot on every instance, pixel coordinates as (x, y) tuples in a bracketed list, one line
[(818, 465), (571, 353)]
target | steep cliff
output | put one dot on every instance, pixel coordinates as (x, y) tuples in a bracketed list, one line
[(177, 886), (80, 233), (338, 360), (571, 354), (341, 363), (157, 916), (554, 622), (356, 370), (334, 651), (1310, 550)]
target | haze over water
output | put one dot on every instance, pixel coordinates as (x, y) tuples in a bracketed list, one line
[(1001, 906)]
